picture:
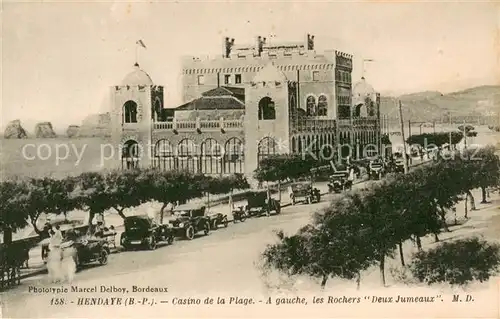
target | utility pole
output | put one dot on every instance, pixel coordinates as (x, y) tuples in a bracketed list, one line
[(465, 136), (449, 134), (405, 158), (409, 128)]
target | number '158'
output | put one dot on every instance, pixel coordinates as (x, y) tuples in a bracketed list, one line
[(57, 301)]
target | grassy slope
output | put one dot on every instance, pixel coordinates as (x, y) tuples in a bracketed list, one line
[(432, 105)]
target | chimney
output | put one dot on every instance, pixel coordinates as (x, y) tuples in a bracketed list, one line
[(310, 42), (228, 44)]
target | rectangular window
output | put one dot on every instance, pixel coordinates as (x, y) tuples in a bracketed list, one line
[(201, 79), (315, 75), (227, 78), (237, 78)]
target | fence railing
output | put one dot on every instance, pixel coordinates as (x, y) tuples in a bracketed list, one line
[(237, 124), (198, 124)]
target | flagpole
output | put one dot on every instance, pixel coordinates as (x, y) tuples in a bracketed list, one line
[(136, 52)]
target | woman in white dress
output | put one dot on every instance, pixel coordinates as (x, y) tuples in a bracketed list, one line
[(68, 265), (54, 257)]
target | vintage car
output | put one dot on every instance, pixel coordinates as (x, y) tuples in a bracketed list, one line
[(88, 249), (398, 163), (304, 191), (91, 250), (143, 231), (239, 215), (376, 169), (259, 204), (216, 218), (188, 220), (339, 182)]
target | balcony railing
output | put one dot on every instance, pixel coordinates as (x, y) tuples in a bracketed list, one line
[(198, 124), (311, 125), (357, 123), (307, 125)]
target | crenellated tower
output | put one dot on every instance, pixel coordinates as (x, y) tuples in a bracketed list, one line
[(136, 104)]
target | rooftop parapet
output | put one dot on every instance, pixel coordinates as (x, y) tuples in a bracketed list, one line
[(266, 55)]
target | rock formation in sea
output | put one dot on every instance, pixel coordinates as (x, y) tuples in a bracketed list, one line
[(44, 130), (15, 130), (96, 125), (72, 130)]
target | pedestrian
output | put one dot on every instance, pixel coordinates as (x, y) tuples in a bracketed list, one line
[(68, 265), (55, 256), (45, 235)]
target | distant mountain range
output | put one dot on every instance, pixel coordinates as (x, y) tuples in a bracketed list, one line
[(432, 105)]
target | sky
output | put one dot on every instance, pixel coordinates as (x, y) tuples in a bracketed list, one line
[(60, 58)]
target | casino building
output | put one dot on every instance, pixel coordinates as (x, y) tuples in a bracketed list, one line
[(251, 102)]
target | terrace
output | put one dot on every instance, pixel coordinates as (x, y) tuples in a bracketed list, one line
[(201, 125)]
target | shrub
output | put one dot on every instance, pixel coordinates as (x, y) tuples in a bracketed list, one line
[(457, 263)]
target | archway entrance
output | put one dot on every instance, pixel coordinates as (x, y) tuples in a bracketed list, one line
[(130, 155)]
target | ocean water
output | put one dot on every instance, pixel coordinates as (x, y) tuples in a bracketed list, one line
[(57, 157)]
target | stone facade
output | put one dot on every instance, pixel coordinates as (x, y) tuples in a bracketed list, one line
[(252, 102)]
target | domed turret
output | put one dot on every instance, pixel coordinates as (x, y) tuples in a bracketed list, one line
[(361, 90), (137, 77)]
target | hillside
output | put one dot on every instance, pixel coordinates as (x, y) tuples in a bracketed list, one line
[(431, 105)]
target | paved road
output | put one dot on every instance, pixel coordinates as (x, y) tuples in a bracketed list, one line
[(223, 261)]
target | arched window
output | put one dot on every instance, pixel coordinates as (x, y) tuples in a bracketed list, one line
[(130, 112), (311, 106), (322, 105), (211, 157), (233, 156), (371, 109), (130, 154), (164, 155), (267, 146), (267, 110), (158, 111), (359, 110), (294, 145), (187, 155)]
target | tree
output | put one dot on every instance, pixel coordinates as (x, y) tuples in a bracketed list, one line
[(277, 168), (225, 185), (13, 207), (49, 196), (458, 262), (486, 169), (90, 193), (439, 139), (334, 245), (168, 187)]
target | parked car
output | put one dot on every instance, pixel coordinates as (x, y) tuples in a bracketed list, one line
[(144, 231), (188, 220), (90, 250), (304, 191), (216, 218), (398, 163), (239, 215), (339, 182), (259, 204), (376, 169)]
